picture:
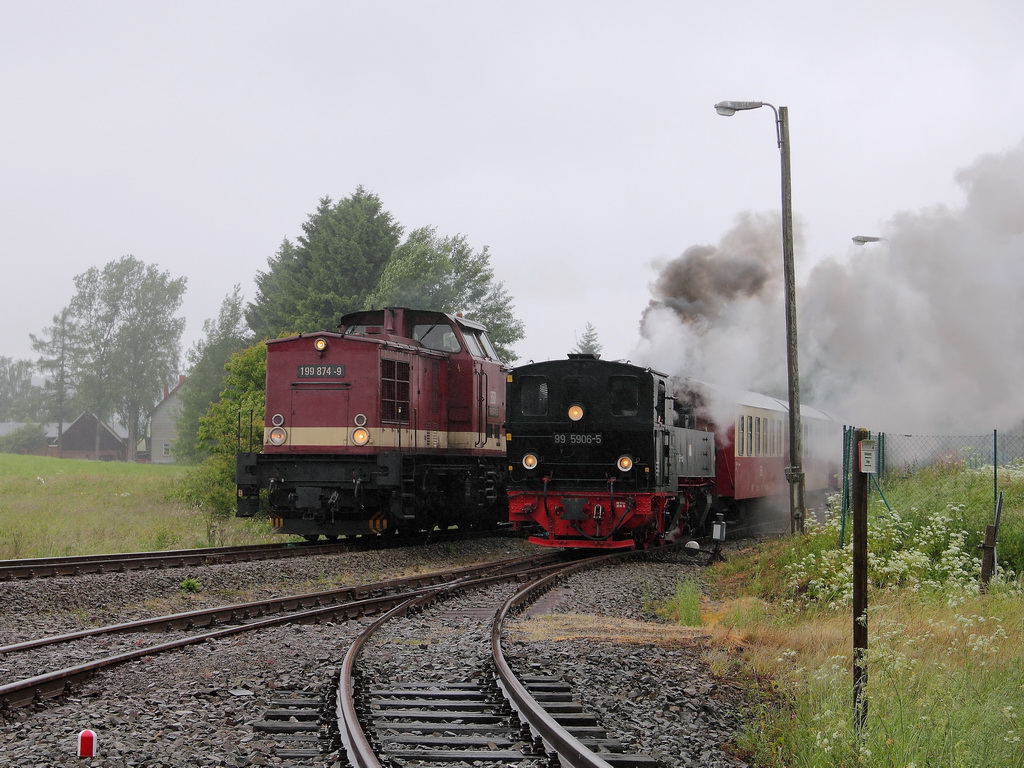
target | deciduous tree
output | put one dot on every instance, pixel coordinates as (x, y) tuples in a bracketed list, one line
[(428, 271), (126, 341), (222, 337), (19, 400)]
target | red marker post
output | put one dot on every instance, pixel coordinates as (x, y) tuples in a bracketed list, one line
[(86, 743)]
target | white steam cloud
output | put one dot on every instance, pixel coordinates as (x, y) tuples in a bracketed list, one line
[(922, 332)]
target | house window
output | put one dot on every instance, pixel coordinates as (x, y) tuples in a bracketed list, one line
[(167, 449)]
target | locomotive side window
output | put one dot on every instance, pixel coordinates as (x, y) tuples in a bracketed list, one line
[(533, 395), (485, 342), (394, 391), (624, 395), (473, 344)]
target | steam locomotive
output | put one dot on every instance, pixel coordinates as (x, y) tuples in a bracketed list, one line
[(608, 455), (393, 423)]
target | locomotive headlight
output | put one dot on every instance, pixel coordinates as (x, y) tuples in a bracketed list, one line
[(575, 412), (361, 436), (530, 461), (320, 344), (625, 463), (277, 419), (278, 436)]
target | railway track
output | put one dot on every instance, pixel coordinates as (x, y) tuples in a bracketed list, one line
[(443, 704), (472, 710), (48, 567), (91, 647)]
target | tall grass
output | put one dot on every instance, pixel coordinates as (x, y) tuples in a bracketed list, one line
[(55, 507), (945, 662)]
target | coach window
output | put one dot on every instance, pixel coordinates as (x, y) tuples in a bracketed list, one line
[(750, 435), (624, 396), (739, 436), (533, 395)]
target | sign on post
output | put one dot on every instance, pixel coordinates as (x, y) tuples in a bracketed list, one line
[(869, 457)]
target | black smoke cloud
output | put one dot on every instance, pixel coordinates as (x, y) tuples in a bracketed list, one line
[(922, 332)]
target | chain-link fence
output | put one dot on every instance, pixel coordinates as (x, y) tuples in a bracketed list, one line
[(902, 456), (932, 474)]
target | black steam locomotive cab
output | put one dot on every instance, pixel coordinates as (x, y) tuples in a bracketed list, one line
[(594, 457)]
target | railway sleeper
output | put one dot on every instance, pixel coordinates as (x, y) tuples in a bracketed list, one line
[(552, 694), (297, 724)]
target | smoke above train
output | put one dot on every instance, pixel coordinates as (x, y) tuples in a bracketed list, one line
[(919, 332)]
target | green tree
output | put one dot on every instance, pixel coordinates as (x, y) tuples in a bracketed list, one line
[(226, 427), (445, 274), (335, 264), (19, 399), (126, 342), (55, 361), (222, 337), (588, 343)]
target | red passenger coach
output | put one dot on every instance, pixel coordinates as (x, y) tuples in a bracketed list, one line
[(753, 443), (395, 422)]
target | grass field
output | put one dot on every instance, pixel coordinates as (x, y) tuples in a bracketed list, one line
[(55, 507), (945, 661)]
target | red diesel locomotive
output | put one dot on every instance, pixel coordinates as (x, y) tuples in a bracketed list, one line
[(393, 423), (609, 455)]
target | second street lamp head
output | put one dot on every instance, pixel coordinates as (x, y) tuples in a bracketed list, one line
[(861, 239), (729, 108)]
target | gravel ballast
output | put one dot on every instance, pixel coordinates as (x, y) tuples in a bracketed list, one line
[(196, 707)]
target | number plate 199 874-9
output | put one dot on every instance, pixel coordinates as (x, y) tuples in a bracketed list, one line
[(320, 372)]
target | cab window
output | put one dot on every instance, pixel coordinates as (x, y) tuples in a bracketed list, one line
[(623, 395), (533, 395), (436, 336)]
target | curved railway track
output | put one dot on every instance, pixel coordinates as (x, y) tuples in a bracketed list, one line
[(478, 713), (212, 623)]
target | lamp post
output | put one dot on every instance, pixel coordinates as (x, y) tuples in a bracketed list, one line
[(862, 239), (794, 472)]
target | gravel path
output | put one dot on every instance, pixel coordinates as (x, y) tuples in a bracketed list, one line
[(195, 707)]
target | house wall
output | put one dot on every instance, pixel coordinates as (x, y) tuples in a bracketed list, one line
[(163, 429)]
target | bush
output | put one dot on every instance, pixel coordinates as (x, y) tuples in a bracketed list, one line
[(27, 439)]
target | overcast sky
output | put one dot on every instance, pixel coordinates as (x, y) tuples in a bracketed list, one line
[(576, 139)]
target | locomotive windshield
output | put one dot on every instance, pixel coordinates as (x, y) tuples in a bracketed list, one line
[(435, 336), (533, 396), (623, 395)]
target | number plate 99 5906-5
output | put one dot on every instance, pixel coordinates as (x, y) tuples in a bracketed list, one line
[(577, 438)]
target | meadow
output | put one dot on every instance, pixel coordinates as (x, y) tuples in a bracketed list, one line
[(945, 659), (57, 507)]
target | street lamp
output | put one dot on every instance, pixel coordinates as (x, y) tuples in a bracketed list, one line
[(862, 239), (794, 472)]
